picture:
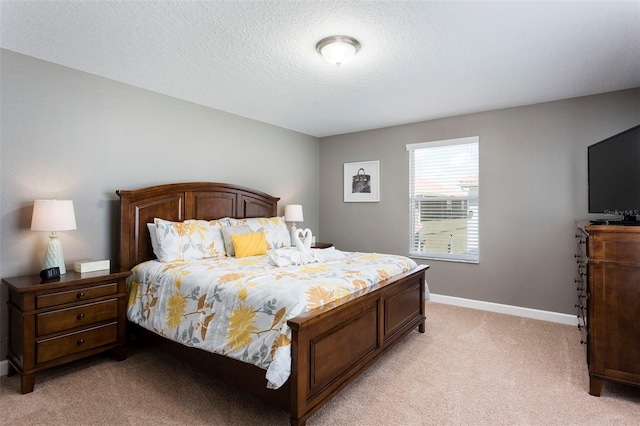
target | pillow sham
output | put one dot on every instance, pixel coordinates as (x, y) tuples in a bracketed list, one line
[(275, 229), (189, 240), (154, 238), (227, 232), (251, 244)]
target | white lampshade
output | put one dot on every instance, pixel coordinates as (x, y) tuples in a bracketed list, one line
[(53, 215), (293, 213), (338, 49)]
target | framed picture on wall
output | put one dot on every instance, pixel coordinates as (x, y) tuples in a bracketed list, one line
[(362, 182)]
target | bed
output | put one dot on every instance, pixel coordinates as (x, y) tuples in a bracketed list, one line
[(330, 345)]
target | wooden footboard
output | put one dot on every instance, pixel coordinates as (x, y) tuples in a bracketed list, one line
[(333, 345), (330, 346)]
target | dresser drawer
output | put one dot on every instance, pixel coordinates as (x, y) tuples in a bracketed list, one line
[(61, 297), (79, 316), (68, 344)]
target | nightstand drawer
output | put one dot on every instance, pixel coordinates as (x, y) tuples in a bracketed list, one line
[(50, 349), (61, 297), (79, 316)]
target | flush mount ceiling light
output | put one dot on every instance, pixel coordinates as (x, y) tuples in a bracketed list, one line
[(338, 49)]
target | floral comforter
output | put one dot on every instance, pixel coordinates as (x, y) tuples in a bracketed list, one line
[(240, 307)]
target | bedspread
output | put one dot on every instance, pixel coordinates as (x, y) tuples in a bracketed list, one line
[(240, 307)]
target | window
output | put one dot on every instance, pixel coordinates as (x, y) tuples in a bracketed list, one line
[(444, 200)]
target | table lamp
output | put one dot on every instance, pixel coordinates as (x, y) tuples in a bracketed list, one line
[(53, 215), (293, 214)]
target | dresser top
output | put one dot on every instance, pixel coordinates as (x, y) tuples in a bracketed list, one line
[(28, 283), (611, 227)]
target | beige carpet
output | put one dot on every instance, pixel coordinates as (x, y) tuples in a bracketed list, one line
[(470, 367)]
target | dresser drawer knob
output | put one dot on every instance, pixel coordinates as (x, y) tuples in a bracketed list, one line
[(80, 295), (80, 316), (80, 342)]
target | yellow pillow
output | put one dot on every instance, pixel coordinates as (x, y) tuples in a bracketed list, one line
[(251, 244)]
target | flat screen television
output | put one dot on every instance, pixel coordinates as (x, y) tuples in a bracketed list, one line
[(614, 177)]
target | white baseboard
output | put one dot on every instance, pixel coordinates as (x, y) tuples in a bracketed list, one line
[(4, 367), (506, 309)]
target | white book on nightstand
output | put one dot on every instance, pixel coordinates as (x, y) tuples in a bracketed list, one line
[(83, 266)]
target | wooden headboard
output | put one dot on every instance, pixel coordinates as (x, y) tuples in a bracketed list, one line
[(178, 202)]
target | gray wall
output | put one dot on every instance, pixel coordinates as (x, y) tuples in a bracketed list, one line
[(532, 188), (71, 135)]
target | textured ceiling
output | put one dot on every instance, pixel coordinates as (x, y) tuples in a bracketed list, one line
[(418, 61)]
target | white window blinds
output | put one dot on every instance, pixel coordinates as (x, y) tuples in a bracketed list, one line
[(444, 187)]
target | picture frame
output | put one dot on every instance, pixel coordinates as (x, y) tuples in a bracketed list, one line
[(362, 182)]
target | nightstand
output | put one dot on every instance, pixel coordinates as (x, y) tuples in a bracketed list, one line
[(321, 245), (62, 320)]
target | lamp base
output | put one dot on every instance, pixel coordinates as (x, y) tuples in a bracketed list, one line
[(293, 233), (53, 256)]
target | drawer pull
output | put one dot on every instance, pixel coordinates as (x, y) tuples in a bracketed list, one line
[(80, 316), (80, 295), (80, 342)]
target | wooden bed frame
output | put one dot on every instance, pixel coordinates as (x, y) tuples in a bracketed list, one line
[(330, 346)]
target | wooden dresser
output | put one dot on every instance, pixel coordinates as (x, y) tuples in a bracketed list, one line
[(609, 302), (58, 321)]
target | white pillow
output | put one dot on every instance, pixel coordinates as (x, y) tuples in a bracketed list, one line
[(154, 238)]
